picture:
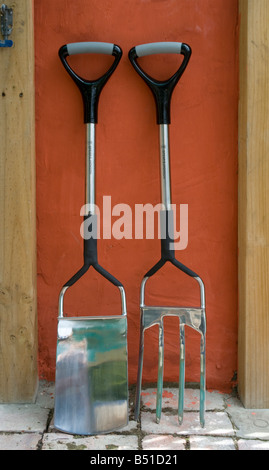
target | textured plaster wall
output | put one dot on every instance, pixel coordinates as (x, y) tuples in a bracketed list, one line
[(203, 144)]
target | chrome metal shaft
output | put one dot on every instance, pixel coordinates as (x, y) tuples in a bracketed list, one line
[(90, 167), (160, 373), (165, 167)]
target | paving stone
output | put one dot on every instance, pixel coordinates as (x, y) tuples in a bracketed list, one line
[(56, 441), (26, 441), (19, 418), (169, 398), (252, 445), (45, 395), (211, 443), (249, 424), (159, 442), (216, 424), (214, 400), (131, 427), (22, 426)]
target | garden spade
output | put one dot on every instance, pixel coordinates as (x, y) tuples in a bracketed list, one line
[(91, 383)]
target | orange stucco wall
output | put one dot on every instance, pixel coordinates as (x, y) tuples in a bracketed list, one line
[(203, 145)]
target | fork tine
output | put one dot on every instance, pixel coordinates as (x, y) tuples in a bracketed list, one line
[(181, 375), (202, 382), (160, 374), (192, 317)]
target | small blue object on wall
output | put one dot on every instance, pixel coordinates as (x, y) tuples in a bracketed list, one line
[(6, 20), (6, 43)]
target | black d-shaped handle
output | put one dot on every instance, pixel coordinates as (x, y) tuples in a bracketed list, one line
[(162, 90), (90, 89)]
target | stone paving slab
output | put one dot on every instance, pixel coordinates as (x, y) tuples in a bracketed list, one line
[(45, 395), (252, 445), (211, 443), (216, 423), (25, 441), (19, 418), (159, 442), (229, 426), (249, 424), (214, 400), (56, 441)]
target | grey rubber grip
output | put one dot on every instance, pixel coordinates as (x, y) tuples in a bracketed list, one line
[(158, 48), (90, 47)]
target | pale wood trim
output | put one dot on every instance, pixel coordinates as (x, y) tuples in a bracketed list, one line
[(253, 367), (18, 312)]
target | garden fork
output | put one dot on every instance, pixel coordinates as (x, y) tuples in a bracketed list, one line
[(194, 317)]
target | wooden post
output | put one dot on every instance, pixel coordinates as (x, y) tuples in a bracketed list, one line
[(18, 312), (253, 365)]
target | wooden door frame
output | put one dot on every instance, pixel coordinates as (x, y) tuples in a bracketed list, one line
[(18, 310), (253, 194)]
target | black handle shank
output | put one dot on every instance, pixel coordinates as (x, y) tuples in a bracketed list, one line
[(162, 90), (90, 89)]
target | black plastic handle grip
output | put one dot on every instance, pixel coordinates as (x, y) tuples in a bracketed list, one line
[(90, 89), (162, 90)]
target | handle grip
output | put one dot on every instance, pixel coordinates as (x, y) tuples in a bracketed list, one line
[(90, 89), (158, 48), (90, 48), (162, 90)]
